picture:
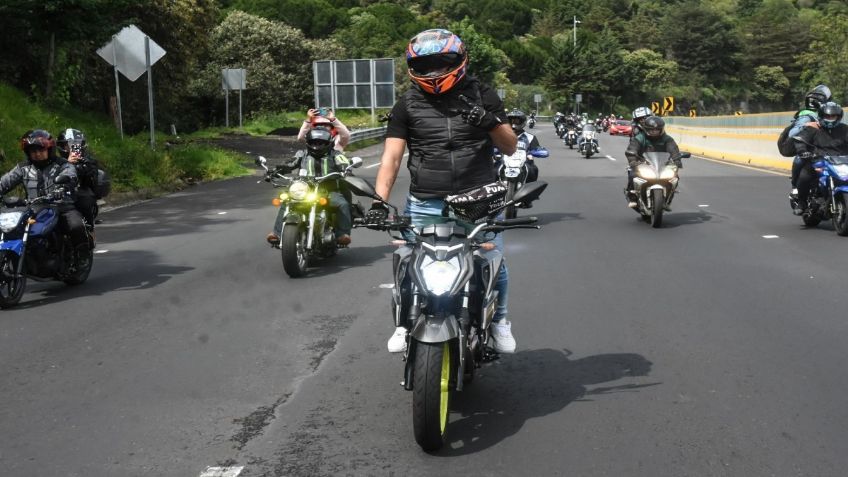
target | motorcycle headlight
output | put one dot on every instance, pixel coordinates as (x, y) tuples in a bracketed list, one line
[(439, 275), (668, 172), (646, 171), (9, 220), (842, 170), (298, 190)]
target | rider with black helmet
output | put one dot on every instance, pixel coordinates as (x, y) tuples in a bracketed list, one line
[(320, 158), (526, 141), (830, 137), (73, 147), (651, 137), (38, 175), (806, 117)]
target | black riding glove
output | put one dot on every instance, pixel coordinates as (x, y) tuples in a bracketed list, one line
[(377, 214), (477, 116)]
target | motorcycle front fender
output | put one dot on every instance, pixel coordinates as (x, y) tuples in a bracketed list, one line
[(435, 329), (294, 218), (16, 246)]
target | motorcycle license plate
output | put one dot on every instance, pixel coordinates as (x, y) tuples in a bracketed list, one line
[(512, 172)]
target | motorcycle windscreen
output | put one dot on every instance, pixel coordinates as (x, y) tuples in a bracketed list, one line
[(838, 159), (657, 159)]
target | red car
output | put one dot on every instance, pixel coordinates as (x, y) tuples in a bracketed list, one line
[(621, 127)]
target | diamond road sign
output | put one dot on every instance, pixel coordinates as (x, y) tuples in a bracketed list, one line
[(127, 48)]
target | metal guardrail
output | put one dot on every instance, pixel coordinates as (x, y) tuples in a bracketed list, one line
[(370, 133)]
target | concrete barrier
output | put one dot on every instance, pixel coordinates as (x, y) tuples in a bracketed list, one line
[(751, 146)]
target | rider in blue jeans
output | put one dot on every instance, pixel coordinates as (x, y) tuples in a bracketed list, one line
[(450, 123)]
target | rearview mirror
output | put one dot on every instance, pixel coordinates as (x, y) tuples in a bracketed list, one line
[(529, 192), (261, 161), (684, 155), (63, 179), (356, 161)]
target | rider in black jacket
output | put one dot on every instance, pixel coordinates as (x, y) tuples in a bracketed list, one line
[(829, 137), (450, 123), (651, 137), (74, 148), (38, 176)]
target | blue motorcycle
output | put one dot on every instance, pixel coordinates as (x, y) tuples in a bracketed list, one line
[(33, 246), (828, 198)]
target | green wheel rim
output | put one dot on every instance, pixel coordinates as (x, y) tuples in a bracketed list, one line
[(444, 385)]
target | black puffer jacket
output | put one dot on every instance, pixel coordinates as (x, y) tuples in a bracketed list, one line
[(446, 155), (39, 180), (833, 142)]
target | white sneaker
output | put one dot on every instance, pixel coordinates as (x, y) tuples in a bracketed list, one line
[(502, 336), (397, 343)]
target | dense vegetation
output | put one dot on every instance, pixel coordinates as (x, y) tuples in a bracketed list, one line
[(715, 55)]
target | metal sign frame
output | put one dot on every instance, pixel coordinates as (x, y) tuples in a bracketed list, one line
[(352, 82)]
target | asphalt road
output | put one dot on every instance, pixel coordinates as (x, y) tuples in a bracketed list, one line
[(710, 347)]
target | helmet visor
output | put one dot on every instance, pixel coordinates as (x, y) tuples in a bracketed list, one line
[(654, 132), (434, 66)]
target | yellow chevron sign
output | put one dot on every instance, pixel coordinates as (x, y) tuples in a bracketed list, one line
[(655, 107), (693, 113), (668, 105)]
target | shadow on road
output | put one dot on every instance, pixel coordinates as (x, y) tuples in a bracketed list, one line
[(530, 384), (355, 256), (685, 218), (552, 217), (116, 271)]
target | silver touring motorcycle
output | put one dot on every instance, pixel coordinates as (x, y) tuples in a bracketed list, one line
[(655, 183), (444, 294)]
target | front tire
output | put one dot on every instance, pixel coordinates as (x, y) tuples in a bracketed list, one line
[(293, 246), (510, 193), (11, 286), (435, 364), (840, 215), (657, 203)]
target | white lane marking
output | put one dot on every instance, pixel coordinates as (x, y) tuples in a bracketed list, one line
[(222, 471), (247, 152), (387, 285), (703, 205), (770, 236), (610, 157), (221, 213), (101, 251)]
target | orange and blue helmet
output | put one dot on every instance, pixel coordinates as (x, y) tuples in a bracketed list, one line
[(437, 60)]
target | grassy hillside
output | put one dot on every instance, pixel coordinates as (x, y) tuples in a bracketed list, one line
[(130, 161)]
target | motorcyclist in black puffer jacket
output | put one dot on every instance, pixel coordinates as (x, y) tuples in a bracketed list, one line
[(829, 137), (73, 147), (38, 175)]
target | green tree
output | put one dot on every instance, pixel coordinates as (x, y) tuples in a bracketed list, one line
[(277, 57), (646, 71), (484, 59), (824, 60), (379, 30), (775, 34), (315, 18), (702, 40), (770, 84)]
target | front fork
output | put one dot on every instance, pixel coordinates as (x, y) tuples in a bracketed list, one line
[(20, 271), (310, 226)]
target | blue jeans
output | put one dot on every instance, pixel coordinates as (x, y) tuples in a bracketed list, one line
[(429, 211)]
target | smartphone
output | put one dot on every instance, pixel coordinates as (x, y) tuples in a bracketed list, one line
[(322, 111)]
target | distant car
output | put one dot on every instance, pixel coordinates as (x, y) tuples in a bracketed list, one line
[(622, 127)]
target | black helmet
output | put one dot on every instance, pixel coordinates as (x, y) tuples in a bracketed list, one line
[(517, 119), (654, 126), (37, 139), (319, 141), (817, 96), (72, 139), (830, 109)]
